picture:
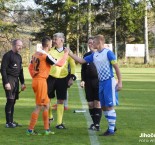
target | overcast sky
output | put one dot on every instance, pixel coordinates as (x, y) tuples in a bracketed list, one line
[(30, 3)]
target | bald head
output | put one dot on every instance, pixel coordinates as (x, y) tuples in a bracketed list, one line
[(17, 45)]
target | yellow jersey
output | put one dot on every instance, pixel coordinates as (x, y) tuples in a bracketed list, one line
[(61, 72)]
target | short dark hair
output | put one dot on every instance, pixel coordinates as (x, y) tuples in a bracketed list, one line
[(45, 41), (90, 37)]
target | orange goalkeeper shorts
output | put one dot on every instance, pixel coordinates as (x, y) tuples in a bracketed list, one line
[(40, 89)]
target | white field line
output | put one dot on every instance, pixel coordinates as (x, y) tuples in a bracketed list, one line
[(92, 134)]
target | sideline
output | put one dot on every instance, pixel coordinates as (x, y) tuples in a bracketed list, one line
[(92, 134)]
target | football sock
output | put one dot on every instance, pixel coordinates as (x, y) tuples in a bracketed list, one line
[(45, 119), (8, 116), (12, 111), (91, 112), (111, 118), (66, 101), (50, 114), (97, 115), (33, 121), (8, 108), (60, 111)]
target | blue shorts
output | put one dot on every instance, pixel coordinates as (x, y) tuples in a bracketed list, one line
[(107, 93)]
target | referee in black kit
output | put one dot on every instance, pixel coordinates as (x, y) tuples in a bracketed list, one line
[(12, 72), (90, 82)]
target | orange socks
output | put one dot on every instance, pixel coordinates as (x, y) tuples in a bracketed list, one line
[(33, 121), (45, 119), (34, 118)]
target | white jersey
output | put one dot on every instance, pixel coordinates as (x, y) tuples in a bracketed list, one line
[(102, 60)]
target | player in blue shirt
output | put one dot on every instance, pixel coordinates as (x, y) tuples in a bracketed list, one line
[(105, 60)]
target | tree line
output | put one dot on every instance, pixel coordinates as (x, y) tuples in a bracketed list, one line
[(77, 19)]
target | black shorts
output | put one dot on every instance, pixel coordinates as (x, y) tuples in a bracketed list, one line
[(58, 86), (92, 90), (13, 93)]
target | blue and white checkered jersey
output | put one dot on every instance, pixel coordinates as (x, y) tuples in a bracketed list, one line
[(103, 61)]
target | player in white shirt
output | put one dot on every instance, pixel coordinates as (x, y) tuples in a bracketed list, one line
[(105, 60)]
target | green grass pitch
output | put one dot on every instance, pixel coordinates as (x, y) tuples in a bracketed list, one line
[(135, 115)]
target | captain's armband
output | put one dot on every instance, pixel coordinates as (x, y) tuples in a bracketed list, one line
[(113, 62)]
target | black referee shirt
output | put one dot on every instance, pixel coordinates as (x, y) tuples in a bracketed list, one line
[(88, 70), (12, 65)]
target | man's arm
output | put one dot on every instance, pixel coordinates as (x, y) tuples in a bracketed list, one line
[(83, 74), (21, 75), (71, 67), (118, 74), (60, 62), (71, 71), (113, 61), (76, 58), (30, 68), (4, 65), (21, 78), (83, 69)]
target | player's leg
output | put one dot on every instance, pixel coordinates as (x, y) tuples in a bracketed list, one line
[(66, 102), (37, 88), (97, 114), (12, 114), (50, 86), (91, 112), (60, 112), (61, 92), (51, 117), (12, 110), (15, 87), (89, 98), (16, 94), (33, 121), (34, 117), (108, 106), (8, 108), (45, 102), (96, 102), (54, 107), (46, 120)]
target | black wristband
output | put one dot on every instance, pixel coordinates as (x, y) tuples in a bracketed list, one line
[(73, 77)]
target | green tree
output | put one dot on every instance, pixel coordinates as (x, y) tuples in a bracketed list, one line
[(7, 28), (16, 21), (62, 16)]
